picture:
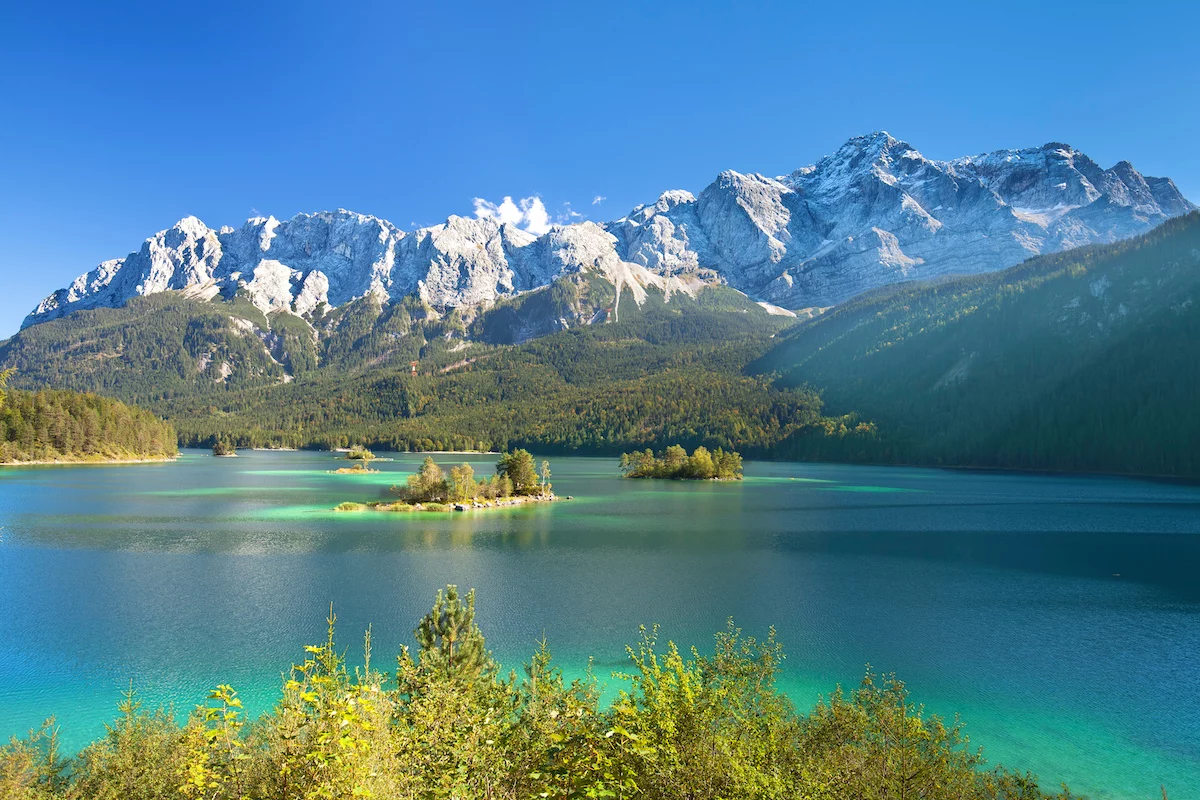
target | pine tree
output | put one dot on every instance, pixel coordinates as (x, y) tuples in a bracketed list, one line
[(4, 376), (450, 643), (520, 469)]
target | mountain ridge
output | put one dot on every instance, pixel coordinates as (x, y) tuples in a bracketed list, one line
[(872, 213), (1078, 361)]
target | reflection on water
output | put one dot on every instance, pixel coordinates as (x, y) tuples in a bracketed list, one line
[(1055, 613)]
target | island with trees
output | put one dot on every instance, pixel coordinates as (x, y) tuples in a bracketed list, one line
[(363, 458), (675, 464), (60, 427), (223, 448), (517, 480)]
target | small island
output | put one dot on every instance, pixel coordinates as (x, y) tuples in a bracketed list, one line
[(675, 464), (224, 449), (517, 481), (359, 453), (363, 456)]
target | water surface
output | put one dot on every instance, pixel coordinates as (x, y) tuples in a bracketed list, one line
[(1060, 616)]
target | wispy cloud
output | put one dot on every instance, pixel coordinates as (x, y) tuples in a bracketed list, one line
[(567, 215), (528, 213), (598, 199)]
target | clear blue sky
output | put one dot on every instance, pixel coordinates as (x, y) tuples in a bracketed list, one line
[(118, 119)]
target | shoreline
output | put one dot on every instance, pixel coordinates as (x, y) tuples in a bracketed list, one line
[(89, 462), (401, 507), (680, 480)]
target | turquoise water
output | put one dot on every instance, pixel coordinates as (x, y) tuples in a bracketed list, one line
[(1059, 616)]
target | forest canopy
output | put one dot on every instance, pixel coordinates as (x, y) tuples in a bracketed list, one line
[(516, 475), (70, 426), (675, 463)]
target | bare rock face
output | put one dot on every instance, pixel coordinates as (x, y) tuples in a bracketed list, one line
[(874, 212), (877, 211)]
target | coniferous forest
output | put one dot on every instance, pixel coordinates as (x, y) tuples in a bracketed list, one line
[(1082, 361), (669, 372), (70, 426)]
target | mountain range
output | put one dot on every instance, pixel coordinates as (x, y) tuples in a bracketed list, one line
[(1020, 309), (873, 213)]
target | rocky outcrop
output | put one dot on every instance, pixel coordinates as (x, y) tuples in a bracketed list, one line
[(874, 212)]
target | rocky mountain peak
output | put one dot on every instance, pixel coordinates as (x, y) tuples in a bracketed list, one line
[(872, 212)]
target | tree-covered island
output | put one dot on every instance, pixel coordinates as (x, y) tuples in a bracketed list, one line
[(223, 448), (362, 458), (517, 480), (675, 463)]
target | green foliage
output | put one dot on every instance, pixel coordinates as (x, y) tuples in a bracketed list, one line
[(152, 350), (68, 426), (462, 485), (360, 453), (31, 768), (139, 757), (1083, 360), (675, 463), (4, 376), (714, 724), (447, 725), (515, 474), (667, 372), (450, 643), (427, 485), (518, 467)]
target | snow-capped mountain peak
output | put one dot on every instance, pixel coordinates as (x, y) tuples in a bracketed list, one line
[(873, 212)]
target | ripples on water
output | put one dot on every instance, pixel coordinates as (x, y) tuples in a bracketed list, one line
[(1059, 615)]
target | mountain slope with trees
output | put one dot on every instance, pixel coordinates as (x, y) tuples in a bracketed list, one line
[(669, 371), (1084, 360), (56, 426)]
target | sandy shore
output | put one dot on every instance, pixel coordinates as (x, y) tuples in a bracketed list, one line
[(86, 462)]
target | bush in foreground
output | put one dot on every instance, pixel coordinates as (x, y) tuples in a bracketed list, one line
[(447, 724)]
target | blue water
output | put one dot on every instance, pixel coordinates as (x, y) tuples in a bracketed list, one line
[(1060, 616)]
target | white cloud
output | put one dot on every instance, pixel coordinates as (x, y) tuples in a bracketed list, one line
[(598, 199), (528, 213), (537, 221), (567, 215)]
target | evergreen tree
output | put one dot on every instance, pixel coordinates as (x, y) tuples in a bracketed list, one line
[(450, 643), (4, 376), (520, 469), (677, 464)]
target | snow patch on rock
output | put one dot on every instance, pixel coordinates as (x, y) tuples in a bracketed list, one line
[(873, 212)]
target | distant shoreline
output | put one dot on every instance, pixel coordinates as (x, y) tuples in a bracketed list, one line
[(87, 462), (419, 452), (401, 507)]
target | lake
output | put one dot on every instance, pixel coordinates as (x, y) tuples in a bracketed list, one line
[(1058, 615)]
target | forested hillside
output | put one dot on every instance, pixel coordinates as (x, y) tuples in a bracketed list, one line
[(670, 371), (1085, 360), (69, 426)]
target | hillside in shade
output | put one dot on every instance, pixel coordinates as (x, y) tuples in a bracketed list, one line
[(1083, 360)]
